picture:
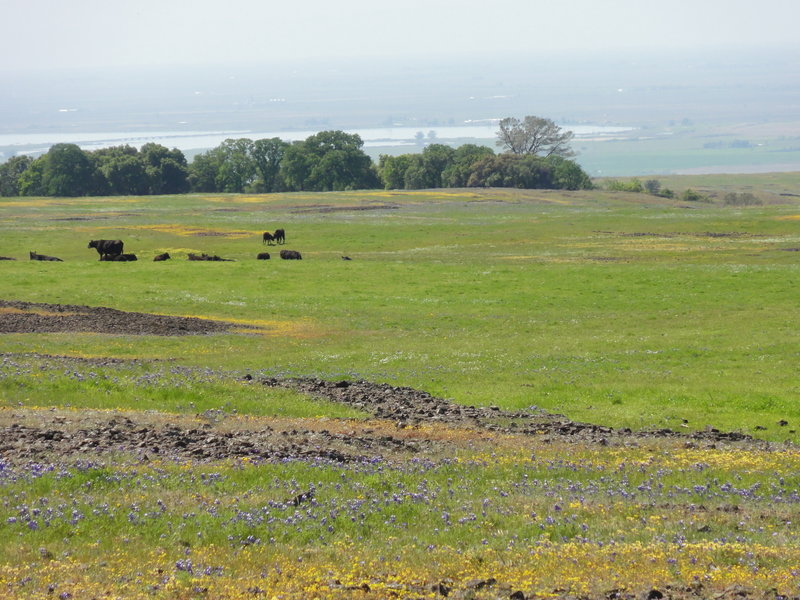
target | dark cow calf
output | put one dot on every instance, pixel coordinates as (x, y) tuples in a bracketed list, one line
[(164, 256), (119, 257), (267, 238), (263, 256), (290, 255), (35, 256), (280, 236), (106, 247)]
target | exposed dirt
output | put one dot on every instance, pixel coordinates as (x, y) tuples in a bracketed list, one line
[(33, 317), (395, 432), (330, 209), (407, 407), (700, 234), (36, 435)]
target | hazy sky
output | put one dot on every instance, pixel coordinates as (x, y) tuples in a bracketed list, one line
[(59, 33)]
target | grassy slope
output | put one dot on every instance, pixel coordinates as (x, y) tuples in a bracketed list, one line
[(514, 298), (509, 298)]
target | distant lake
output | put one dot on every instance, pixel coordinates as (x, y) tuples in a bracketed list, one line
[(36, 143)]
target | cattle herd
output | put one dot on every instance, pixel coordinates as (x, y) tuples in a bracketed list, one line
[(111, 250)]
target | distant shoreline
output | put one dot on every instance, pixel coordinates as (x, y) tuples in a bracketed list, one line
[(37, 143), (741, 169)]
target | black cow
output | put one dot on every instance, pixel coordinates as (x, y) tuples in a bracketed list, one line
[(267, 238), (119, 257), (7, 258), (35, 256), (263, 256), (290, 255), (208, 257), (164, 256), (106, 247), (280, 236)]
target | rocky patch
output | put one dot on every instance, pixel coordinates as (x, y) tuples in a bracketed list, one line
[(34, 317), (34, 435), (407, 406)]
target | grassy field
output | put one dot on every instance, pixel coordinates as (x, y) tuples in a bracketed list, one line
[(616, 309), (620, 310)]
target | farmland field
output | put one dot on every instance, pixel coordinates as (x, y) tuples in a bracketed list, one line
[(503, 393)]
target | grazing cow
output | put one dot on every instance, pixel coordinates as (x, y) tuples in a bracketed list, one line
[(290, 255), (160, 257), (346, 258), (263, 256), (267, 238), (280, 236), (106, 247), (119, 257), (35, 256), (7, 258)]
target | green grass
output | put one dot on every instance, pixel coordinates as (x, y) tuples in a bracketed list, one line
[(617, 309), (36, 382)]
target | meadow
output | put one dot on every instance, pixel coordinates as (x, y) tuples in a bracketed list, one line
[(617, 309)]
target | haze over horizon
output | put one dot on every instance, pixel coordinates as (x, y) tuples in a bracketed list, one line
[(90, 66), (94, 33)]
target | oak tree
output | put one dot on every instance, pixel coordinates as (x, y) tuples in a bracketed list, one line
[(534, 135)]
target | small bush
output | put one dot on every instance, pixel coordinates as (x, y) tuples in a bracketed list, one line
[(692, 196), (742, 199), (634, 185), (653, 186)]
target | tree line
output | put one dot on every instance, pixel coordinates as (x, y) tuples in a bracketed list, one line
[(326, 161)]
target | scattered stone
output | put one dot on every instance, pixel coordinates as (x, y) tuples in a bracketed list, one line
[(441, 589), (479, 584)]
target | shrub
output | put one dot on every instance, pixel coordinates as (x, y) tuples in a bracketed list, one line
[(741, 199), (634, 185)]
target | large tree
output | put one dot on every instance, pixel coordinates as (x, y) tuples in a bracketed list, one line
[(227, 168), (10, 173), (534, 135), (328, 161), (125, 175), (511, 171), (238, 169), (392, 169), (31, 180), (67, 171), (457, 173), (203, 171), (167, 170), (268, 154)]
